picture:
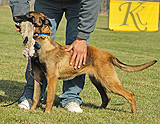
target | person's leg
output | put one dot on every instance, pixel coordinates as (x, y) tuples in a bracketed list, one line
[(29, 90), (54, 12), (72, 88), (26, 99)]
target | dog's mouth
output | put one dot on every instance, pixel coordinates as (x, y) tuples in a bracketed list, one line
[(21, 19), (37, 19)]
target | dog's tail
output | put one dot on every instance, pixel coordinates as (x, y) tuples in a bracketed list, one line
[(131, 68)]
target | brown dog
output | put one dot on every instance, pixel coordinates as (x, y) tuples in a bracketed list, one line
[(51, 61)]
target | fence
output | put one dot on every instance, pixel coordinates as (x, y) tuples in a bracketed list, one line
[(103, 8), (4, 2)]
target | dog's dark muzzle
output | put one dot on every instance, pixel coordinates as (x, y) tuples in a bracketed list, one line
[(26, 17)]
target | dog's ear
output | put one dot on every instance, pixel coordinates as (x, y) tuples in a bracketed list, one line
[(38, 21), (46, 21), (30, 17)]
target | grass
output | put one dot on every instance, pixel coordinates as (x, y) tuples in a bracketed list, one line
[(129, 47)]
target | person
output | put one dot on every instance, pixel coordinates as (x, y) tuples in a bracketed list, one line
[(81, 16)]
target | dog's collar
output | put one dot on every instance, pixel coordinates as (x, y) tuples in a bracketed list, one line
[(44, 34)]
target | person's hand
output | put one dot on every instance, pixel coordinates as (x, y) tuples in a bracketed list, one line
[(79, 48), (18, 29)]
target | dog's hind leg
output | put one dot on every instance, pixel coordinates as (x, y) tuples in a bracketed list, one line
[(112, 84), (104, 95), (107, 76), (52, 83), (129, 96)]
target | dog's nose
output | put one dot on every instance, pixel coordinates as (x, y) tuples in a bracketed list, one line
[(19, 18)]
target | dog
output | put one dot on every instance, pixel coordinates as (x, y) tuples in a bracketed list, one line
[(52, 61)]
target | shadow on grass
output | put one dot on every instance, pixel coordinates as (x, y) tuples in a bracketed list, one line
[(110, 109), (10, 90), (117, 110), (102, 28), (90, 105)]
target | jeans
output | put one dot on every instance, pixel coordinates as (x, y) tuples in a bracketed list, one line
[(54, 11)]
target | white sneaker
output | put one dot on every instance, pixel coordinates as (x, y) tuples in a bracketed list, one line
[(73, 107), (26, 104)]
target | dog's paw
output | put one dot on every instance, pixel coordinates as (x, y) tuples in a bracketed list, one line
[(33, 108), (47, 111)]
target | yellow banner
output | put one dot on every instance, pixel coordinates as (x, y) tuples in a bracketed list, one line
[(133, 16)]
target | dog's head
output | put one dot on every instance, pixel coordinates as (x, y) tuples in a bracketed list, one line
[(39, 20), (41, 24)]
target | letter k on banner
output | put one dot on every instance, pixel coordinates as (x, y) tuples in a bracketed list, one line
[(133, 16)]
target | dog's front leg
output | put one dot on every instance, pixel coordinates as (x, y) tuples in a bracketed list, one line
[(36, 95), (38, 75), (52, 83)]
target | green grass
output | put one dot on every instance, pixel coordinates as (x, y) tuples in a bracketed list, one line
[(129, 47)]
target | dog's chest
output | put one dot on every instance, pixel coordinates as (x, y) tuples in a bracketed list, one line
[(36, 62)]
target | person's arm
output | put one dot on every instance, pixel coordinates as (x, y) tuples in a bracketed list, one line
[(19, 7), (88, 17)]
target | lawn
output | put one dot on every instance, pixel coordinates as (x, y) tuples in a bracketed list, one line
[(130, 47)]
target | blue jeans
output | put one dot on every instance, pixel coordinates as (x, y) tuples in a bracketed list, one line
[(54, 11)]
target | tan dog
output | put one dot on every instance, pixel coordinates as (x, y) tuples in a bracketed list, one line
[(51, 61)]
